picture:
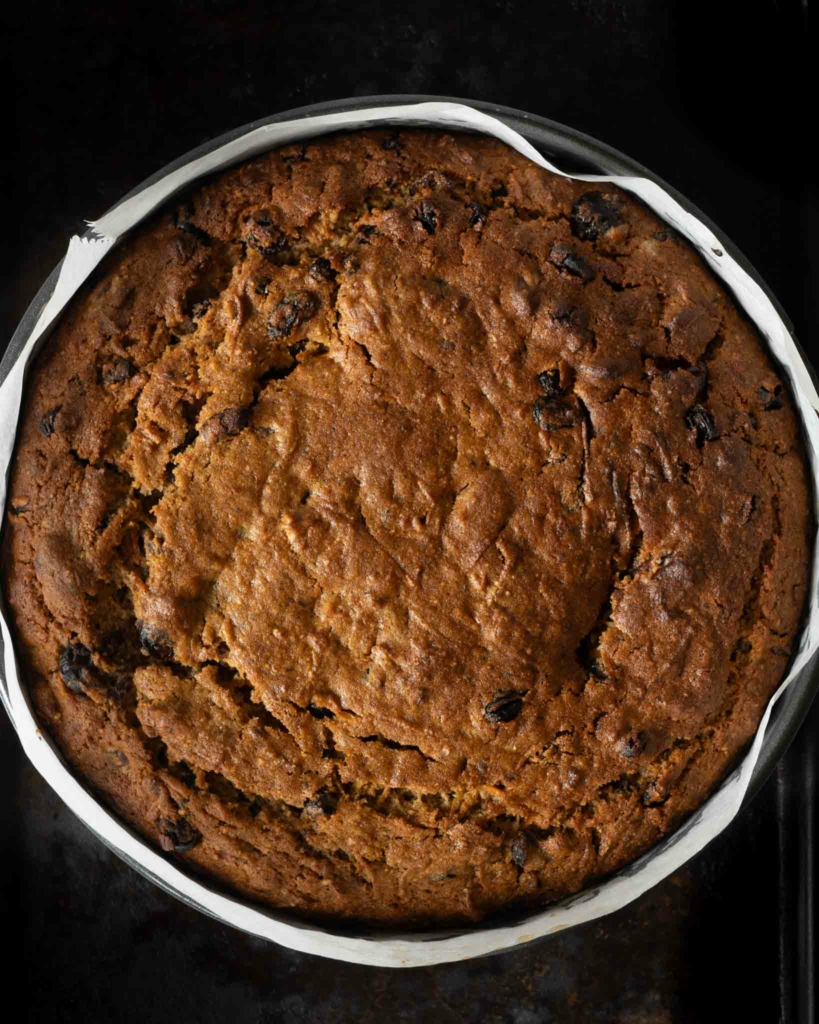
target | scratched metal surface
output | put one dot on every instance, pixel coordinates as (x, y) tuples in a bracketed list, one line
[(102, 98)]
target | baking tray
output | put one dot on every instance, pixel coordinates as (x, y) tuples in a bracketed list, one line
[(796, 797), (576, 152)]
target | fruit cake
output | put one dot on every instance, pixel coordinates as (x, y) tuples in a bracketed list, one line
[(400, 532)]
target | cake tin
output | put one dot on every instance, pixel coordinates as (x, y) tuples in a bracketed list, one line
[(572, 152)]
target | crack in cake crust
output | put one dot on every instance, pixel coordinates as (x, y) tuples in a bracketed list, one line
[(431, 530)]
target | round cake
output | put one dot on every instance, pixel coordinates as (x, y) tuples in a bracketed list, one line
[(401, 533)]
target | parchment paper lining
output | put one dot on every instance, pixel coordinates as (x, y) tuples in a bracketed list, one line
[(392, 949)]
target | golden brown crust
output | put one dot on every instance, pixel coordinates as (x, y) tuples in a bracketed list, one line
[(401, 532)]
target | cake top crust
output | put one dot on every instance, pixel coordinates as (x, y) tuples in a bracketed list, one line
[(425, 530)]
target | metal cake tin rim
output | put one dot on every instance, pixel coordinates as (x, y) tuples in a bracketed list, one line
[(560, 141)]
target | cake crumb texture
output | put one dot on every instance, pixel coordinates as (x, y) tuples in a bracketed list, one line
[(400, 532)]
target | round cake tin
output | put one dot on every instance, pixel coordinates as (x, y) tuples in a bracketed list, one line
[(572, 152)]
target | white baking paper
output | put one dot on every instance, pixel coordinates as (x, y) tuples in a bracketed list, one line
[(391, 949)]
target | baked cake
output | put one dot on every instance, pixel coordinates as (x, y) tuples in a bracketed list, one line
[(399, 532)]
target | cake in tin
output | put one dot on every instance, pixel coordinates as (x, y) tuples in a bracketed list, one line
[(402, 533)]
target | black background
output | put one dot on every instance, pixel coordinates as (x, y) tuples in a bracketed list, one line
[(718, 100)]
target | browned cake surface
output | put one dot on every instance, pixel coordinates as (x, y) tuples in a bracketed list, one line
[(401, 532)]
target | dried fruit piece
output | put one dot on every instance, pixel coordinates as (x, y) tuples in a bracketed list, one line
[(155, 643), (47, 422), (321, 270), (117, 759), (519, 850), (266, 249), (700, 419), (234, 420), (292, 311), (264, 235), (549, 383), (567, 259), (595, 213), (177, 836), (505, 707), (427, 217), (558, 413), (118, 371), (771, 399), (431, 181), (195, 232), (75, 659), (477, 214), (227, 423)]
